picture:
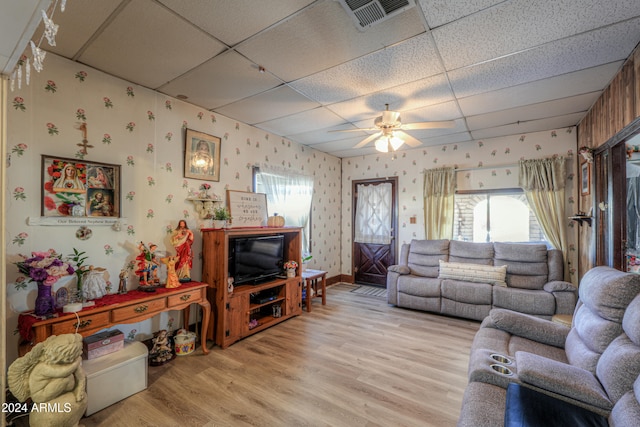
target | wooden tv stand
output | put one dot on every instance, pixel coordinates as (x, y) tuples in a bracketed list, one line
[(248, 309)]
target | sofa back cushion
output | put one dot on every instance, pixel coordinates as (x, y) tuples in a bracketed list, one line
[(425, 255), (605, 293), (527, 266), (471, 252)]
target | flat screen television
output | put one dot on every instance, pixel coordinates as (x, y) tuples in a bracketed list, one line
[(255, 259)]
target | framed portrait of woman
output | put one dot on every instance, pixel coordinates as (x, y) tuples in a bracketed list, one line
[(73, 187), (201, 156)]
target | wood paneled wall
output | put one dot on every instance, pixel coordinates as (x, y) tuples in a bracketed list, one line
[(616, 108)]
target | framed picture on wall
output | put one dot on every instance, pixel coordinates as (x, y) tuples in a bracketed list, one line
[(585, 178), (73, 187), (201, 156)]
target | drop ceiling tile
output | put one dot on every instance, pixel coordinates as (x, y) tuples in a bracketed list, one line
[(443, 111), (222, 80), (558, 107), (432, 90), (516, 25), (532, 126), (278, 102), (439, 12), (393, 66), (425, 134), (317, 118), (233, 22), (327, 135), (452, 138), (136, 46), (324, 36), (341, 144), (613, 43), (578, 82), (78, 23)]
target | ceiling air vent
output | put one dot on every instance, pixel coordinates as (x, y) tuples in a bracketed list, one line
[(367, 13)]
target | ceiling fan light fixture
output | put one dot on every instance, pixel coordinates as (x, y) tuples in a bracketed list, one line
[(395, 142), (382, 144)]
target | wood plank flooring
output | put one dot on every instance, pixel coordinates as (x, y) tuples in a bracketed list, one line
[(355, 362)]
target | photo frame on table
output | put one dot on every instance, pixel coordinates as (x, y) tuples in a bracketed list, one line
[(80, 188), (247, 209), (201, 156), (585, 178)]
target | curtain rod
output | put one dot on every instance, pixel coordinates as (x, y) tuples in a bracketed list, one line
[(507, 165)]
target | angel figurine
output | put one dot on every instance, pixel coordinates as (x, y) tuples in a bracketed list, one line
[(52, 375)]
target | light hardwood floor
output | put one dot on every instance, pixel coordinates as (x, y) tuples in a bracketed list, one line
[(355, 362)]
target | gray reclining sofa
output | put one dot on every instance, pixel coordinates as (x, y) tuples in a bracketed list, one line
[(466, 279), (586, 374)]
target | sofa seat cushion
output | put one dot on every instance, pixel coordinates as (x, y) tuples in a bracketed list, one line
[(470, 272), (419, 286), (536, 302), (527, 264), (424, 256), (467, 292)]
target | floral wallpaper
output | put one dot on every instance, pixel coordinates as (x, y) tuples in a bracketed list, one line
[(486, 164), (143, 132)]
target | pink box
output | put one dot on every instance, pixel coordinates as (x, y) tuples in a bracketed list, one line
[(103, 343)]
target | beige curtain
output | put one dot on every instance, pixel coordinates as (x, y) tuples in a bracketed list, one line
[(543, 181), (439, 188)]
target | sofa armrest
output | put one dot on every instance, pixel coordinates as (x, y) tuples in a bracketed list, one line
[(560, 286), (400, 269), (565, 294), (530, 327), (562, 379)]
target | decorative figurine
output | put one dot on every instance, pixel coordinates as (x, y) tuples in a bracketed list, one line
[(182, 239), (94, 285), (122, 286), (147, 265), (172, 277), (161, 352), (52, 375)]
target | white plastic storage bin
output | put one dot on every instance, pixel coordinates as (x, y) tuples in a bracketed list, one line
[(115, 376)]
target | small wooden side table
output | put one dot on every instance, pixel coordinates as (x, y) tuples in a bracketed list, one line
[(310, 280)]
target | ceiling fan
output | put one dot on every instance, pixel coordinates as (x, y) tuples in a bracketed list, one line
[(390, 133)]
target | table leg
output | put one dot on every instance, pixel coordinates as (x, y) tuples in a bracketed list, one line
[(206, 314), (324, 289), (307, 284)]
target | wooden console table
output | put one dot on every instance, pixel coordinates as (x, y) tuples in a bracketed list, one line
[(111, 310)]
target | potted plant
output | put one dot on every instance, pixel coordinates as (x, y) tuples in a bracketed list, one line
[(220, 217)]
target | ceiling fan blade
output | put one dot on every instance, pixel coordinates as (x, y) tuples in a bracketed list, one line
[(408, 139), (367, 140), (353, 130), (429, 125)]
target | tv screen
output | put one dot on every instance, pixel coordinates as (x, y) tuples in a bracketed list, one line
[(256, 259)]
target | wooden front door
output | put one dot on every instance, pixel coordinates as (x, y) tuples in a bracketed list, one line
[(371, 260)]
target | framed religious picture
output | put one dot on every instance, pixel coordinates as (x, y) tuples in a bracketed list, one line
[(73, 187), (585, 178), (201, 156)]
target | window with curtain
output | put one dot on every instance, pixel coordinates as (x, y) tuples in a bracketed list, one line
[(495, 216), (288, 195)]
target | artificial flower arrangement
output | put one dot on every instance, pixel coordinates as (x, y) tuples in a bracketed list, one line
[(45, 267), (290, 265), (205, 186)]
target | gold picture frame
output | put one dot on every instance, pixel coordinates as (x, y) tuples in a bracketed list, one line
[(80, 188), (201, 156)]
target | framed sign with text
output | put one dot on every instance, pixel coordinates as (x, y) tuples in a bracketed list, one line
[(247, 209)]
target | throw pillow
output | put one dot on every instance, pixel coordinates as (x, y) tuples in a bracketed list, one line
[(495, 275)]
